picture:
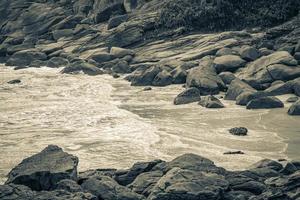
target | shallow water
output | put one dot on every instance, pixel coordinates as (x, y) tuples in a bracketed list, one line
[(109, 124)]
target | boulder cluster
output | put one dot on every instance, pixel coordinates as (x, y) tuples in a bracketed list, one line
[(52, 174)]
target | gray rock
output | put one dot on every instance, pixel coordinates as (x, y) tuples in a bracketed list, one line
[(145, 77), (295, 108), (15, 192), (190, 95), (265, 103), (106, 188), (130, 5), (163, 78), (236, 88), (240, 131), (244, 98), (292, 99), (57, 62), (38, 63), (251, 186), (179, 75), (80, 66), (57, 34), (25, 57), (106, 12), (118, 52), (63, 195), (44, 170), (205, 78), (227, 77), (265, 51), (68, 185), (15, 81), (147, 89), (249, 53), (181, 184), (211, 102), (228, 63), (121, 67), (101, 57), (116, 21), (226, 51), (268, 163), (234, 153), (279, 89)]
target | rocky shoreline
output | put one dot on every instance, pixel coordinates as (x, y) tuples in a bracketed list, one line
[(52, 174)]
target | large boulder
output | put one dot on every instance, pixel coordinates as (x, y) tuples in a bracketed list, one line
[(295, 108), (249, 53), (228, 63), (245, 97), (130, 5), (15, 192), (44, 170), (81, 66), (227, 77), (190, 95), (121, 67), (25, 57), (182, 184), (105, 13), (279, 89), (145, 77), (211, 102), (57, 62), (118, 52), (265, 103), (179, 75), (205, 78), (277, 66), (236, 88), (163, 78), (116, 21), (106, 188)]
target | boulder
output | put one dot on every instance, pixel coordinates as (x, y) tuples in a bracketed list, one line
[(228, 63), (163, 78), (15, 192), (37, 63), (292, 99), (227, 77), (265, 103), (121, 67), (249, 53), (269, 164), (205, 78), (190, 95), (105, 13), (25, 57), (239, 131), (81, 66), (15, 81), (101, 57), (265, 51), (211, 102), (68, 185), (57, 62), (244, 98), (295, 108), (145, 77), (57, 34), (118, 52), (236, 88), (179, 75), (181, 184), (254, 187), (44, 170), (106, 188), (277, 66), (279, 89), (116, 21), (226, 51)]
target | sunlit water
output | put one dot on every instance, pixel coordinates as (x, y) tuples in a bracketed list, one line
[(108, 124)]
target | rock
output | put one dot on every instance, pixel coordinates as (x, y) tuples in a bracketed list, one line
[(277, 82), (144, 183), (234, 153), (190, 95), (105, 13), (63, 195), (240, 131), (134, 171), (179, 75), (15, 81), (116, 21), (297, 57), (265, 51), (236, 88), (81, 66), (57, 34), (265, 103), (228, 63), (57, 62), (292, 99), (279, 89), (163, 78), (37, 63), (251, 186), (268, 163), (296, 86), (118, 52), (227, 77), (15, 192), (101, 57), (226, 51), (130, 5), (105, 188), (147, 89), (244, 98), (25, 57), (205, 78), (277, 66), (145, 77), (181, 184), (83, 176), (121, 67), (68, 185), (295, 108), (211, 102), (44, 170), (288, 168), (249, 53)]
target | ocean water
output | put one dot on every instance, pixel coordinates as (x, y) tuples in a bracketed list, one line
[(108, 124)]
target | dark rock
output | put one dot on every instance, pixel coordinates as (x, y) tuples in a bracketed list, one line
[(205, 78), (163, 78), (44, 170), (180, 184), (106, 188), (297, 57), (227, 77), (57, 34), (101, 57), (95, 173), (116, 75), (211, 102), (265, 103), (68, 185), (226, 51), (80, 66), (15, 192), (145, 77), (25, 57), (249, 53), (57, 62), (288, 168), (179, 75), (15, 81), (268, 163), (240, 131), (190, 95), (38, 63), (279, 89), (236, 88), (265, 51), (147, 89), (135, 170), (116, 21), (121, 67), (244, 98), (228, 63), (63, 195), (118, 52), (234, 152), (251, 186), (105, 13), (292, 99), (295, 108), (189, 65), (130, 5)]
